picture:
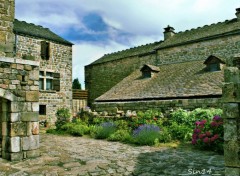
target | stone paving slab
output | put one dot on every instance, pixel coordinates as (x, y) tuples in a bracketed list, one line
[(79, 156)]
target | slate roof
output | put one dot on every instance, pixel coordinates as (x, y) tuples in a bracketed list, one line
[(202, 33), (199, 34), (140, 50), (187, 79), (152, 67), (24, 28)]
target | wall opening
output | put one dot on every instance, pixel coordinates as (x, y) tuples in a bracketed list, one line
[(4, 110)]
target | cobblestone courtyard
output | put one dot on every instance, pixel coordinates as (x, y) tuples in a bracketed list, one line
[(64, 155)]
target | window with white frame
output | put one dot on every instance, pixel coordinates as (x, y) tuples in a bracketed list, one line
[(45, 80)]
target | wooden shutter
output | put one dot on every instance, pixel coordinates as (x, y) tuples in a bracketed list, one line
[(45, 50), (56, 81)]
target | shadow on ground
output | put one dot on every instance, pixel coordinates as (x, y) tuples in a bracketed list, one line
[(181, 161)]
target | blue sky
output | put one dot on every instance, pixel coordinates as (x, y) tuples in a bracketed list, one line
[(98, 27)]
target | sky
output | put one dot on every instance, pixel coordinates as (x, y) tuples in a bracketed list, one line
[(98, 27)]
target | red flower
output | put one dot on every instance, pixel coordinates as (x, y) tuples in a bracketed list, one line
[(194, 141), (206, 140), (202, 136), (208, 133)]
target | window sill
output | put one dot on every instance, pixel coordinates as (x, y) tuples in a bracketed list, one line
[(47, 91)]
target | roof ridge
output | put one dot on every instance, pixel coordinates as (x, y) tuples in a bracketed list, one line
[(32, 24), (206, 25), (134, 47)]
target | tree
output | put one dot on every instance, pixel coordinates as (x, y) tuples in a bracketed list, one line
[(76, 84)]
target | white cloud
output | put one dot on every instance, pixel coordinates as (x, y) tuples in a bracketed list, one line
[(86, 53), (142, 20)]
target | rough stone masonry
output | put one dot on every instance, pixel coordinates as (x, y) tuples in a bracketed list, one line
[(19, 95), (231, 99)]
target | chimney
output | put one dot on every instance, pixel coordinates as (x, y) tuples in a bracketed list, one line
[(169, 32), (238, 13), (6, 27)]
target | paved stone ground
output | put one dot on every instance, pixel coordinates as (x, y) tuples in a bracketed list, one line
[(65, 156)]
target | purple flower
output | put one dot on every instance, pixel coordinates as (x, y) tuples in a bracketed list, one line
[(145, 127), (217, 118)]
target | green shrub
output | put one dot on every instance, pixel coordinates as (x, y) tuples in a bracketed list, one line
[(165, 135), (200, 114), (75, 129), (120, 135), (146, 135), (180, 132), (104, 130), (63, 117)]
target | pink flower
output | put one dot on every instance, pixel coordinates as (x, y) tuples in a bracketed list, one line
[(194, 141), (204, 121), (208, 133), (213, 124), (194, 136), (206, 140), (198, 123), (202, 136), (197, 130), (216, 136), (212, 139)]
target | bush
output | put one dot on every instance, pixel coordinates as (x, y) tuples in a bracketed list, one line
[(146, 135), (165, 135), (63, 117), (180, 132), (120, 135), (209, 134), (75, 129), (104, 130)]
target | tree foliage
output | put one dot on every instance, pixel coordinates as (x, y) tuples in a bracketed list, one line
[(76, 84)]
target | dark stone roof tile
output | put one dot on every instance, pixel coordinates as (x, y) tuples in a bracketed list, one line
[(24, 28)]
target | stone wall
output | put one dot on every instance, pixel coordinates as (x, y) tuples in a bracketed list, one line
[(19, 108), (6, 27), (102, 77), (231, 114), (60, 61), (162, 105)]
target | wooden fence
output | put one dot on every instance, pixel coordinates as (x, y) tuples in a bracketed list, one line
[(79, 100)]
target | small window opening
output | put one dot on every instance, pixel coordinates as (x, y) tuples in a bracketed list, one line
[(23, 79), (214, 67), (42, 109)]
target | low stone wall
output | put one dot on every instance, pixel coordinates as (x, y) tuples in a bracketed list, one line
[(162, 105)]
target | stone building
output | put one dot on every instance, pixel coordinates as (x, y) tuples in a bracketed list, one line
[(183, 70), (37, 43), (35, 78)]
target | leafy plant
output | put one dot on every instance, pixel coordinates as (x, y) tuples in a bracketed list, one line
[(146, 135), (104, 130), (120, 135), (75, 129), (63, 117), (180, 132)]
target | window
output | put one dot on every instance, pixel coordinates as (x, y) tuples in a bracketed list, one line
[(148, 71), (42, 109), (214, 67), (45, 50), (49, 81), (213, 63)]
